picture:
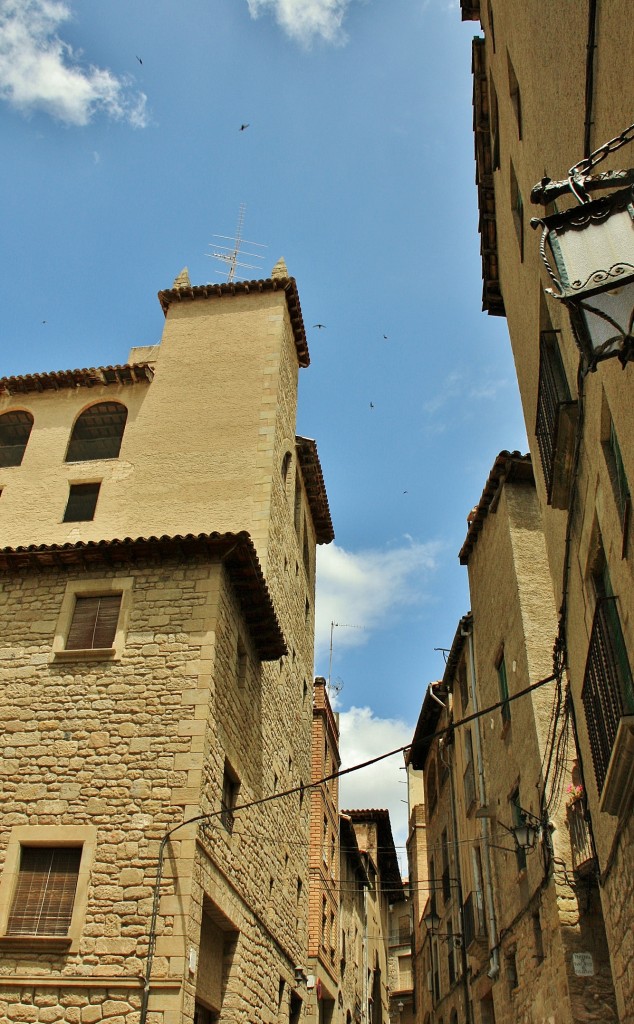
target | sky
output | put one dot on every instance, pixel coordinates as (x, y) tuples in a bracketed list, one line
[(123, 156)]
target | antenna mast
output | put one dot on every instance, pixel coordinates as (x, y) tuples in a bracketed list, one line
[(231, 252)]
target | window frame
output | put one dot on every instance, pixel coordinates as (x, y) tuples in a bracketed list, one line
[(92, 588), (5, 447), (85, 489), (84, 836), (77, 441)]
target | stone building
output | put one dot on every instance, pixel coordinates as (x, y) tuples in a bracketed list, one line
[(551, 85), (400, 960), (323, 920), (512, 923), (158, 525)]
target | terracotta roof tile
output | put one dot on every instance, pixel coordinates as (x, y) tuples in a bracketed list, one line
[(512, 466), (95, 376), (315, 489)]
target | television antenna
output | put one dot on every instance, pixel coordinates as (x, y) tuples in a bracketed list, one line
[(230, 253), (338, 625)]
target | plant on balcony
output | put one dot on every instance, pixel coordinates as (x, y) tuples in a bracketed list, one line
[(574, 794)]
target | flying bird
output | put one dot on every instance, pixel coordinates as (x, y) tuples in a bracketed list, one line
[(372, 405), (243, 126), (139, 59), (385, 336), (320, 326)]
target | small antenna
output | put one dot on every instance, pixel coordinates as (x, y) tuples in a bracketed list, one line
[(339, 625), (230, 255)]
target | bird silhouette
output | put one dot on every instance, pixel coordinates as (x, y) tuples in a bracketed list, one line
[(243, 126), (385, 336), (319, 326), (139, 59), (372, 405)]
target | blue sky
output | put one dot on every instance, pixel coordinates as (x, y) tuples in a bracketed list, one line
[(122, 157)]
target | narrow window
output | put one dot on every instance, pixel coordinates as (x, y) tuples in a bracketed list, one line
[(517, 209), (45, 891), (241, 663), (98, 432), (514, 93), (82, 502), (298, 505), (616, 470), (518, 819), (286, 463), (15, 430), (494, 122), (503, 688), (229, 798), (511, 969), (94, 622)]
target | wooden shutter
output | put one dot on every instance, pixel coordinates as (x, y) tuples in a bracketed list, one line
[(45, 891), (94, 622)]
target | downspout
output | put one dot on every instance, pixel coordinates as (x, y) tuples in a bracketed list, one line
[(494, 963), (364, 987)]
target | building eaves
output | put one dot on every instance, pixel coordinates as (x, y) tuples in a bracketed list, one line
[(470, 10), (94, 376), (492, 301), (457, 645), (235, 550), (424, 733), (315, 489), (348, 842), (390, 875), (508, 466), (186, 293)]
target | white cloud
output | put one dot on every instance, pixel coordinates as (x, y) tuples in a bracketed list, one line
[(304, 20), (39, 71), (458, 385), (362, 589), (383, 785)]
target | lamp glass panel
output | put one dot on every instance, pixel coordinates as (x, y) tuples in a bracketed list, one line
[(618, 304)]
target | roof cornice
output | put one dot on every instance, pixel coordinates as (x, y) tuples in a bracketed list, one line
[(91, 377), (235, 550)]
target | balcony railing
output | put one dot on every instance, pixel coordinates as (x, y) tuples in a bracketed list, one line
[(583, 861), (608, 691), (474, 922)]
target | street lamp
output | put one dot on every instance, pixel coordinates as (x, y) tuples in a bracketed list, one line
[(431, 920), (592, 249)]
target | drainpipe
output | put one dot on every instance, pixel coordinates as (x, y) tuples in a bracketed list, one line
[(364, 987), (494, 963)]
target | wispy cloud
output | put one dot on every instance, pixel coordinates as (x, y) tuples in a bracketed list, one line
[(458, 385), (363, 736), (305, 20), (39, 71), (363, 589)]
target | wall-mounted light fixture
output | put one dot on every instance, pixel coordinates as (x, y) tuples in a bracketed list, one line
[(431, 920), (592, 248)]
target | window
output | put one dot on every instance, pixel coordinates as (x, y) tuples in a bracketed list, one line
[(556, 420), (98, 432), (297, 514), (469, 772), (229, 798), (94, 622), (15, 430), (517, 209), (494, 122), (45, 891), (514, 93), (464, 686), (82, 502), (286, 464), (432, 788), (616, 470), (517, 817), (44, 885), (503, 688), (241, 662)]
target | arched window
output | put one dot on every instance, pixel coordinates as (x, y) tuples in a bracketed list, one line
[(98, 432), (15, 429), (286, 462)]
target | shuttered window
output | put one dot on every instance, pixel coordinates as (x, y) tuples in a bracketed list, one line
[(45, 891), (94, 622)]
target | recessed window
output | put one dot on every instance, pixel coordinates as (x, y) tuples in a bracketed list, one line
[(98, 432), (517, 209), (229, 798), (503, 688), (15, 430), (94, 622), (45, 891), (82, 502), (514, 93), (241, 663)]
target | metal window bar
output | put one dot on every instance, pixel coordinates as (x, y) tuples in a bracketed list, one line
[(608, 690), (552, 392), (580, 845)]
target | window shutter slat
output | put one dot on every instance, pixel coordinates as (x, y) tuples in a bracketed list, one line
[(94, 623), (45, 891)]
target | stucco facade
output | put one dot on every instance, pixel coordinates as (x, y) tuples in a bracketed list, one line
[(200, 702)]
